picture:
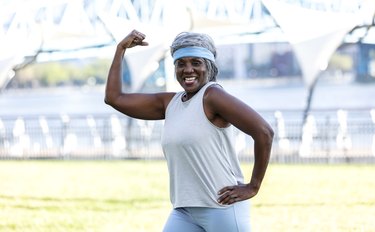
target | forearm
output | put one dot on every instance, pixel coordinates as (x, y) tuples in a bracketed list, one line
[(114, 83), (262, 152), (240, 192)]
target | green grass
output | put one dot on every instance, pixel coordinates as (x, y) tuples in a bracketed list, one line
[(133, 196)]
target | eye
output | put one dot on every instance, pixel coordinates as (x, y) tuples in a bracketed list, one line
[(197, 62), (179, 64)]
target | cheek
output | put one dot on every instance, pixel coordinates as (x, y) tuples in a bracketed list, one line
[(177, 73)]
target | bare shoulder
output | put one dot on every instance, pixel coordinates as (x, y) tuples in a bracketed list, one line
[(214, 89), (216, 94), (219, 105), (219, 101)]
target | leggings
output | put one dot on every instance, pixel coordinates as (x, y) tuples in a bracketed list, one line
[(235, 218)]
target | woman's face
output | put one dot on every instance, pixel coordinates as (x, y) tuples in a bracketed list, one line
[(191, 73)]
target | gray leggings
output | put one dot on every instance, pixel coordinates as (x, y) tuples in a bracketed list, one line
[(235, 218)]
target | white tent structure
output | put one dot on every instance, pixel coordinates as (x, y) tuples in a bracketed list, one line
[(60, 28), (315, 34)]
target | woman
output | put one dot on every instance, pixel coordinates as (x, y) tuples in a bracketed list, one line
[(207, 188)]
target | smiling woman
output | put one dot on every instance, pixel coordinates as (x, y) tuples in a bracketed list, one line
[(206, 179), (191, 73), (196, 45)]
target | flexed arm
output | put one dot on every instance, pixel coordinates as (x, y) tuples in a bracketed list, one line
[(136, 105)]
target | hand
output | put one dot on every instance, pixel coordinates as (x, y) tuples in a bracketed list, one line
[(134, 38), (233, 194)]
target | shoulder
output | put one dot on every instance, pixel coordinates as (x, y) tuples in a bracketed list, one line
[(221, 108), (219, 101), (216, 99), (215, 93), (213, 88)]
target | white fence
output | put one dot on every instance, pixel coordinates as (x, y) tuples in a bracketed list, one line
[(328, 136)]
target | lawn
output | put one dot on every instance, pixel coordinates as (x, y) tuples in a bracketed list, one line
[(133, 196)]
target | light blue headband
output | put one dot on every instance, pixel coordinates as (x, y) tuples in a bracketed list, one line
[(193, 52)]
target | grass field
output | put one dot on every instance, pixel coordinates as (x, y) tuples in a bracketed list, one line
[(133, 196)]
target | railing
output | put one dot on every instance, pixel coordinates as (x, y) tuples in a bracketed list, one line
[(328, 136)]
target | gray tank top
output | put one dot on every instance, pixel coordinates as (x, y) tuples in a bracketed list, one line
[(201, 157)]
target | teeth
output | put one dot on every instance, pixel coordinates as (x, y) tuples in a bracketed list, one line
[(189, 78)]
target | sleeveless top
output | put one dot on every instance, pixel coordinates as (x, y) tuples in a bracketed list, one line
[(201, 157)]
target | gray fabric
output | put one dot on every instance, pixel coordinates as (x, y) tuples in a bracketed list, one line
[(201, 157), (235, 218)]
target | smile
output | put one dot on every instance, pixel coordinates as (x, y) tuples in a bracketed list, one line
[(189, 79)]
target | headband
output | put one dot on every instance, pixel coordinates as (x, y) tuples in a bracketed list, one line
[(193, 52)]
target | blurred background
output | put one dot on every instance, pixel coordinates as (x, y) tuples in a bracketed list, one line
[(307, 66)]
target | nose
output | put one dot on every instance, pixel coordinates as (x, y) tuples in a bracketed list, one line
[(188, 68)]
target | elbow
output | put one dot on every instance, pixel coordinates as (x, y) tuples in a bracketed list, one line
[(111, 97), (266, 135), (270, 134), (109, 100)]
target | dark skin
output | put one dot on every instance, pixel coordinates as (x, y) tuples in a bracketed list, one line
[(221, 109)]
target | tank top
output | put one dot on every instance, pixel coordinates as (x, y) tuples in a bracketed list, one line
[(200, 156)]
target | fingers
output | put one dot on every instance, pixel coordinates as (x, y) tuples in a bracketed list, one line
[(138, 37), (139, 34), (232, 194), (225, 189), (229, 196), (135, 38), (229, 199)]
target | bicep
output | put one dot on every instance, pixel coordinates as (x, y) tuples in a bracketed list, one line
[(143, 106)]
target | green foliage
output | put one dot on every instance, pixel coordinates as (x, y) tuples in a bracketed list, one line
[(68, 73), (98, 70), (53, 74)]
